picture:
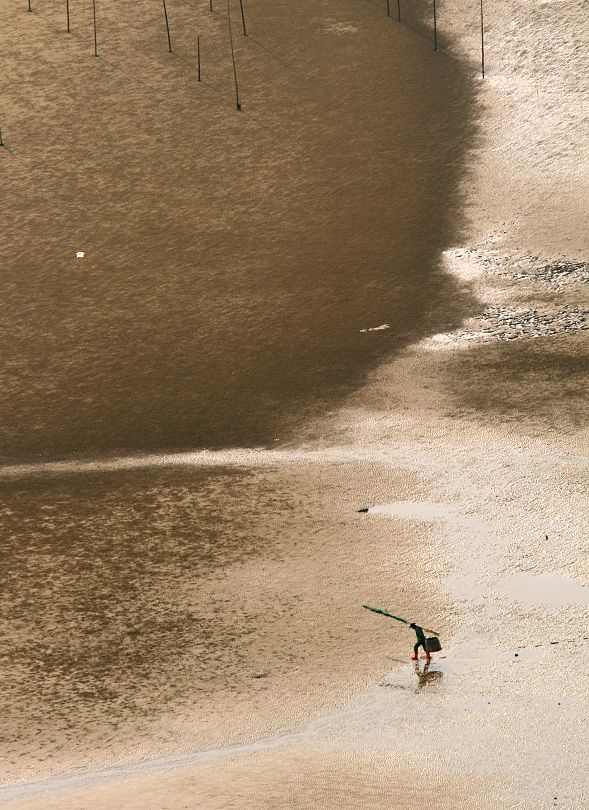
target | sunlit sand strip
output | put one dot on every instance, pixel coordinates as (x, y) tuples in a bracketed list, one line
[(143, 768), (204, 458), (256, 457)]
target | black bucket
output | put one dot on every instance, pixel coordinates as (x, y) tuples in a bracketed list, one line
[(432, 644)]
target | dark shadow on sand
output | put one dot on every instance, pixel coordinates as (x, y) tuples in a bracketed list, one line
[(543, 380)]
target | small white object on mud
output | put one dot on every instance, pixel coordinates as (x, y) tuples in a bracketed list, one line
[(376, 328), (80, 254)]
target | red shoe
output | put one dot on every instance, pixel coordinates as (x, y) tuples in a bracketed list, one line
[(414, 657), (428, 657)]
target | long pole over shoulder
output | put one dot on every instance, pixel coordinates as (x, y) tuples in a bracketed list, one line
[(398, 618), (386, 613)]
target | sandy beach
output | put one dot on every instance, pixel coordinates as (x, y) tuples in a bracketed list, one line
[(186, 564)]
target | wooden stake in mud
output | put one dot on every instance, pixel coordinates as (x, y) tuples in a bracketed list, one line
[(435, 28), (237, 104), (30, 9), (167, 26), (242, 18), (67, 11), (1, 141), (198, 56), (399, 10), (94, 18), (210, 5), (388, 8), (482, 41)]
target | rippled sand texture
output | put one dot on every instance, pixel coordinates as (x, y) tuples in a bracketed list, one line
[(343, 778), (231, 262), (231, 259), (156, 612)]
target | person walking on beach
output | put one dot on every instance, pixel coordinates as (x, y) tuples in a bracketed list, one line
[(433, 642), (420, 642)]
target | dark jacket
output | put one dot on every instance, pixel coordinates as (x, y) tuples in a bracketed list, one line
[(418, 632)]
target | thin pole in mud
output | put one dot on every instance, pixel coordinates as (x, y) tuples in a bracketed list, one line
[(67, 11), (30, 9), (237, 103), (198, 55), (388, 8), (435, 28), (167, 26), (482, 41), (210, 5), (399, 10), (94, 18), (1, 141), (242, 18)]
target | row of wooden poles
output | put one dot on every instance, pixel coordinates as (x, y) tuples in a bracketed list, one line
[(198, 60), (388, 2), (167, 21), (236, 82)]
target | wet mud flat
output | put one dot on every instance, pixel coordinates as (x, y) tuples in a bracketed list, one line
[(231, 259), (190, 610), (233, 262), (161, 611), (280, 660), (340, 777)]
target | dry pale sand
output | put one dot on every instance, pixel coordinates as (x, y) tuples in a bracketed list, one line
[(470, 448)]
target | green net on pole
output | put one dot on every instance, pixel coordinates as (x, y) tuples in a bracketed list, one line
[(386, 613)]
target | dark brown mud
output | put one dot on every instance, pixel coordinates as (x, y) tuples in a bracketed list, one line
[(231, 259)]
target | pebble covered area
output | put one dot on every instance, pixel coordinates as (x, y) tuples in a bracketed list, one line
[(508, 285)]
